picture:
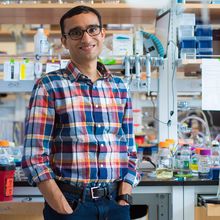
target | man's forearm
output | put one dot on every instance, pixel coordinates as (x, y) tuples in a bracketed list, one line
[(54, 197), (124, 188)]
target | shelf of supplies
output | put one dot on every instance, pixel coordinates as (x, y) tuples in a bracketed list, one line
[(193, 85), (31, 33), (4, 33), (214, 10), (50, 13), (16, 86)]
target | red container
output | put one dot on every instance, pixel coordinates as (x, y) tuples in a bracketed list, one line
[(6, 182), (139, 139)]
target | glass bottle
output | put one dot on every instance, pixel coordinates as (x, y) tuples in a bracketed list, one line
[(164, 166), (184, 160), (194, 161), (215, 153), (204, 163)]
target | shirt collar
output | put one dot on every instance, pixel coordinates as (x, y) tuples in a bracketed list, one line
[(75, 74)]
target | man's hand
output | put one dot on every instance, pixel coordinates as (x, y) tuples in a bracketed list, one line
[(54, 197), (122, 202), (124, 188)]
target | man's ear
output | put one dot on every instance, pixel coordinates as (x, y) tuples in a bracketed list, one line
[(63, 40), (103, 33)]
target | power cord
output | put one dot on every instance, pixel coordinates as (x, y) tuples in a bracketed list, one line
[(168, 123)]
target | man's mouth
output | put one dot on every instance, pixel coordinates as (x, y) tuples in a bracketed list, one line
[(87, 47)]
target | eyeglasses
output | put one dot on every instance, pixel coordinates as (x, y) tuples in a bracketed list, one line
[(77, 33)]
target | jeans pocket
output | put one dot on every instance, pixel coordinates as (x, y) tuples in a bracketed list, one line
[(49, 213), (75, 205), (121, 206)]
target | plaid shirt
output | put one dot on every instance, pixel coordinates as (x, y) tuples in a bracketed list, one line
[(79, 131)]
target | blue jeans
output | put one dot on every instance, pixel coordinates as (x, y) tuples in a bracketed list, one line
[(105, 208)]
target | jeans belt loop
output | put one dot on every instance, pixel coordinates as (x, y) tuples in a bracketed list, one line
[(84, 193)]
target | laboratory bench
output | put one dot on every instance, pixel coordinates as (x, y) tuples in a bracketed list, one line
[(166, 199)]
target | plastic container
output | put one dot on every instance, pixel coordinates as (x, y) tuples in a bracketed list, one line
[(194, 162), (164, 166), (204, 52), (187, 19), (41, 44), (188, 42), (6, 182), (185, 31), (205, 163), (184, 160), (215, 155), (188, 53), (203, 30), (204, 42)]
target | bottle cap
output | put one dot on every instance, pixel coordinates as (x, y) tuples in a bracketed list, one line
[(205, 152), (4, 143), (170, 140), (197, 150), (164, 144)]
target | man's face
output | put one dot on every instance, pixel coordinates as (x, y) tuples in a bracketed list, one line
[(87, 48)]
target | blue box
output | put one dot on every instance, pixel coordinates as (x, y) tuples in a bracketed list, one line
[(202, 52), (204, 42), (203, 30), (188, 42), (214, 173)]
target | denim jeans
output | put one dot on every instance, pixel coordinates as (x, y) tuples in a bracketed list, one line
[(105, 208)]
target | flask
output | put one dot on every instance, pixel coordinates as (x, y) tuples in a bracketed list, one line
[(41, 44), (185, 156), (204, 163), (164, 166)]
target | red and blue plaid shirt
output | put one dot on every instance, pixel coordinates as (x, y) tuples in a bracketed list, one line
[(79, 131)]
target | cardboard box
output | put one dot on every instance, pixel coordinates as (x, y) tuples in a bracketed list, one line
[(21, 210)]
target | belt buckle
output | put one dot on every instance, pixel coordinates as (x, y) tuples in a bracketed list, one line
[(92, 192)]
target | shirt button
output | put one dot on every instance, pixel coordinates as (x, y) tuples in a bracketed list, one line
[(96, 106), (99, 125), (102, 145), (101, 165)]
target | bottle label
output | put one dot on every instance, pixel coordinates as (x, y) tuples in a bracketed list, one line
[(194, 167), (44, 47), (186, 164)]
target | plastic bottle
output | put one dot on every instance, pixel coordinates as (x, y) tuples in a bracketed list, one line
[(194, 161), (185, 157), (204, 163), (41, 44), (164, 167), (215, 153)]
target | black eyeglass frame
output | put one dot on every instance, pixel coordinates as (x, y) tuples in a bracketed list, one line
[(83, 32)]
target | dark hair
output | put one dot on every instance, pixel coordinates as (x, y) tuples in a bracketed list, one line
[(76, 11)]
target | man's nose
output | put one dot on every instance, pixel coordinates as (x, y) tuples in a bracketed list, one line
[(85, 36)]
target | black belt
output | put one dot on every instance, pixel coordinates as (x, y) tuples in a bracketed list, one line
[(94, 192)]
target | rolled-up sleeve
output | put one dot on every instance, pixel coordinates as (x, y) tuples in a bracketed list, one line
[(132, 177), (39, 127)]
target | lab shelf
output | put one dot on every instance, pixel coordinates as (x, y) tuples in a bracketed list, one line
[(214, 10), (16, 86), (50, 13)]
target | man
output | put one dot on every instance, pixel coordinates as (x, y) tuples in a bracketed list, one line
[(79, 147)]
